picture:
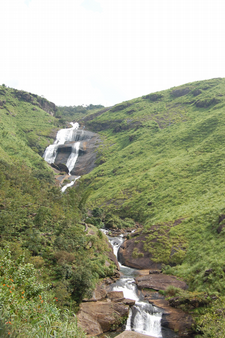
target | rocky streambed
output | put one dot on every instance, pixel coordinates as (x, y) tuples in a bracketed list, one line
[(132, 303)]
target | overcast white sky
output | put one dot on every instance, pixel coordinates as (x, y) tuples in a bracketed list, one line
[(108, 51)]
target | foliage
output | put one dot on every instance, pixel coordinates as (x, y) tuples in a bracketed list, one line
[(164, 168), (27, 307), (73, 113)]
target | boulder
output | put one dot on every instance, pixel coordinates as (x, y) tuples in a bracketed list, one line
[(98, 294), (159, 282), (101, 316), (129, 302), (62, 167), (89, 324), (116, 296), (142, 260)]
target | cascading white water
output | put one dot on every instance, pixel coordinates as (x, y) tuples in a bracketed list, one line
[(143, 317), (63, 136), (69, 184), (73, 156)]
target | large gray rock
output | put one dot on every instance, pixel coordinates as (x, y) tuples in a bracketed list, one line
[(87, 152), (159, 282), (87, 155), (143, 261), (98, 317)]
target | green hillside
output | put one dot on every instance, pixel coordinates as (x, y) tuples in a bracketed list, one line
[(162, 164), (48, 263)]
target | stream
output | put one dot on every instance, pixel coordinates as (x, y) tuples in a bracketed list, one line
[(143, 317)]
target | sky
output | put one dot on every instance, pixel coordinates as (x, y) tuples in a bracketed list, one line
[(76, 52)]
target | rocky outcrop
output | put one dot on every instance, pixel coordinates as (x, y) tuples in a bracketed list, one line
[(60, 167), (87, 155), (87, 152), (102, 316), (159, 282), (180, 92), (205, 103), (173, 319), (44, 104), (132, 254)]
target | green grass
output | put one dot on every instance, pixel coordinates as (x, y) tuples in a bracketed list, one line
[(164, 161)]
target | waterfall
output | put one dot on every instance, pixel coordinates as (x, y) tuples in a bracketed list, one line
[(69, 184), (63, 136), (143, 317)]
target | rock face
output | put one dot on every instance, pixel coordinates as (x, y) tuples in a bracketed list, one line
[(173, 319), (159, 282), (105, 311), (139, 260), (87, 155), (101, 316)]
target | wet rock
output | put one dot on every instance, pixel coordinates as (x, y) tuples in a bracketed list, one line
[(62, 167), (87, 155), (159, 282), (173, 319), (129, 302)]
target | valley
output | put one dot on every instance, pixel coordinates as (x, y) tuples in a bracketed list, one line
[(154, 164)]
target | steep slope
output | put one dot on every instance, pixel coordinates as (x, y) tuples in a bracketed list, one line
[(162, 164), (49, 259), (28, 125)]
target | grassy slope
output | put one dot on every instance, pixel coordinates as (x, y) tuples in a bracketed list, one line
[(43, 224), (163, 161), (25, 127)]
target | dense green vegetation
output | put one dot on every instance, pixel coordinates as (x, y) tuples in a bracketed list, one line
[(162, 164), (73, 113), (48, 262)]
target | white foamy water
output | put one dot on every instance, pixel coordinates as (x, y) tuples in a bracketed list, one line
[(143, 317), (63, 136), (69, 184)]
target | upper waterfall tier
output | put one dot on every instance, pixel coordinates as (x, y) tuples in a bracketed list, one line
[(63, 136), (74, 148)]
